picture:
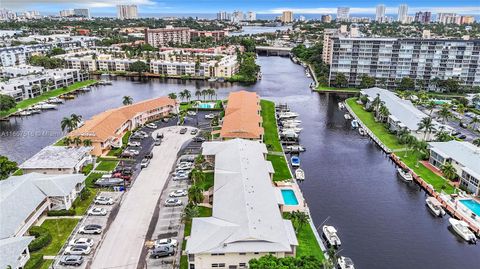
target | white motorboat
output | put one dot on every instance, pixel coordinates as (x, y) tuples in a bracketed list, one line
[(25, 113), (361, 131), (290, 125), (341, 106), (461, 228), (86, 89), (347, 116), (55, 100), (288, 132), (405, 175), (292, 129), (299, 174), (308, 75), (345, 263), (287, 115), (212, 79), (355, 124), (291, 121), (330, 234), (34, 110), (46, 106), (435, 206), (295, 148)]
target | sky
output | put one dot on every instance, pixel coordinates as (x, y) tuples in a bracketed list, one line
[(258, 6)]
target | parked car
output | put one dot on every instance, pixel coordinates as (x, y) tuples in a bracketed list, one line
[(461, 136), (77, 250), (187, 158), (142, 133), (184, 166), (82, 241), (90, 229), (160, 135), (183, 131), (134, 144), (97, 211), (145, 162), (126, 154), (165, 119), (149, 155), (180, 177), (168, 242), (74, 260), (161, 252), (132, 151), (455, 133), (210, 116), (463, 125), (178, 193), (109, 182), (157, 142), (198, 139), (191, 113), (151, 126), (103, 200), (194, 132), (173, 202), (123, 176)]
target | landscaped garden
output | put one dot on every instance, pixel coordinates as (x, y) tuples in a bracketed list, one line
[(322, 88)]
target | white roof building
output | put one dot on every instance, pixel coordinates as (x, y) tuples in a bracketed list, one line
[(56, 160), (14, 251), (246, 217)]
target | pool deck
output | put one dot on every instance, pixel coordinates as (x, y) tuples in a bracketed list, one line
[(282, 185), (460, 211)]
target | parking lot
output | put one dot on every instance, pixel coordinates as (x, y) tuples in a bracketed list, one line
[(103, 221)]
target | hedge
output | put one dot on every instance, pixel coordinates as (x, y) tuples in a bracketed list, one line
[(42, 238), (62, 212), (35, 261)]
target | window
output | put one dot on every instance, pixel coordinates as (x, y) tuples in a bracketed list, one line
[(242, 265), (242, 253)]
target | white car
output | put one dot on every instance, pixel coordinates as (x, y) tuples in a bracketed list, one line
[(180, 177), (184, 167), (142, 133), (145, 162), (191, 113), (169, 242), (151, 126), (90, 229), (82, 241), (97, 211), (173, 202), (134, 144), (210, 116), (77, 250), (103, 200), (178, 193)]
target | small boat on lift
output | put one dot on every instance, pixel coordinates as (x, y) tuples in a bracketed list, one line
[(345, 263), (295, 161), (55, 100), (347, 116), (330, 234), (355, 124), (405, 175), (295, 148), (361, 131), (299, 174), (341, 106), (435, 206)]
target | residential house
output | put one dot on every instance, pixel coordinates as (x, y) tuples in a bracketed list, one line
[(58, 160)]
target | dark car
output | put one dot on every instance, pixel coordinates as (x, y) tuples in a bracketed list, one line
[(163, 251), (463, 125), (183, 131), (461, 136), (74, 260), (160, 135), (149, 155), (198, 139)]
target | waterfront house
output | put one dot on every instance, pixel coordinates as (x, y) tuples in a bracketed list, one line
[(246, 220), (58, 160), (464, 157), (23, 201), (106, 129), (402, 113), (242, 117)]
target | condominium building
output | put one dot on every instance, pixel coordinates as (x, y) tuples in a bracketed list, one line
[(237, 16), (66, 13), (467, 19), (106, 129), (216, 35), (287, 16), (246, 221), (448, 18), (402, 16), (82, 12), (388, 60), (58, 160), (251, 16), (163, 36), (380, 13), (223, 16), (343, 13), (127, 12), (423, 17), (464, 157), (326, 18)]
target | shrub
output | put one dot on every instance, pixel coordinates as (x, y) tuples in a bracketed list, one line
[(42, 238), (63, 212), (87, 168), (35, 261)]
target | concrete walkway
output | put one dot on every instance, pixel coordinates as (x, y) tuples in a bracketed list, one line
[(124, 241)]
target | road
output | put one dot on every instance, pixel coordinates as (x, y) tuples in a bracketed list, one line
[(124, 241)]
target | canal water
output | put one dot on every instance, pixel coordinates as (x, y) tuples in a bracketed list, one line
[(383, 223)]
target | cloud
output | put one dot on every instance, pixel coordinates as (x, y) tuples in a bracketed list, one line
[(27, 4), (371, 10)]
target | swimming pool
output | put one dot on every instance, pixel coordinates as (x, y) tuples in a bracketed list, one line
[(289, 197), (206, 105), (472, 205)]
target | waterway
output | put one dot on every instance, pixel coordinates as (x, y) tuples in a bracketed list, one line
[(383, 223)]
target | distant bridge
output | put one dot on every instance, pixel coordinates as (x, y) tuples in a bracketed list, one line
[(273, 51)]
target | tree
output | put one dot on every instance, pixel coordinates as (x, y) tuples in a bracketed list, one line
[(187, 94), (182, 95), (197, 176), (172, 96), (445, 113), (430, 106), (341, 80), (204, 94), (451, 85), (272, 262), (299, 219), (198, 94), (139, 67), (6, 102), (195, 194), (376, 103), (474, 122), (426, 124), (476, 142), (443, 137), (367, 82), (76, 119), (406, 84), (449, 171), (7, 167), (127, 100), (77, 141), (461, 109), (191, 211), (87, 142), (67, 141), (67, 124), (383, 113)]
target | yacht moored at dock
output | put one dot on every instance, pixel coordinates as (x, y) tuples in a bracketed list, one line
[(355, 124), (435, 206), (461, 228), (295, 149), (295, 161), (405, 175), (330, 234), (345, 263), (347, 116), (341, 106), (55, 100), (299, 174), (287, 115)]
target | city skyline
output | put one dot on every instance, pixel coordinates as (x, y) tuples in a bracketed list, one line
[(50, 7)]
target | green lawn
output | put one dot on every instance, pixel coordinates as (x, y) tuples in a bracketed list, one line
[(106, 165), (60, 229), (184, 262), (390, 140), (307, 243), (426, 174), (270, 126), (46, 264), (53, 93), (321, 88), (208, 182), (203, 212), (90, 180), (282, 171), (81, 206)]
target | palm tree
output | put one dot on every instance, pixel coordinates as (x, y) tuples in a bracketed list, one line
[(187, 94), (476, 142), (198, 94), (182, 95), (376, 103), (410, 141), (204, 94), (430, 105), (127, 100), (301, 218), (191, 211), (474, 122), (77, 141), (426, 124), (195, 194), (87, 142), (197, 176), (76, 119), (67, 124), (449, 171), (67, 141), (383, 113), (443, 136), (461, 109), (444, 113), (172, 95)]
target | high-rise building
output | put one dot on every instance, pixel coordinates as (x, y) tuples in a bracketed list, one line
[(251, 16), (237, 16), (391, 59), (66, 13), (467, 19), (326, 18), (222, 16), (6, 14), (402, 13), (423, 17), (127, 12), (343, 13), (161, 37), (302, 18), (287, 16), (82, 12), (448, 18), (380, 13)]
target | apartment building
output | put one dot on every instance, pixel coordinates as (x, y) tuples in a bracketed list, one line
[(389, 60), (464, 157), (163, 36), (19, 71), (343, 13), (127, 12), (287, 17), (246, 222), (216, 35)]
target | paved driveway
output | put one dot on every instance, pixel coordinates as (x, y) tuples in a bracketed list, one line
[(124, 241)]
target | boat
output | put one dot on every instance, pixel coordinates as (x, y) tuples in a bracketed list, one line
[(292, 129), (299, 174), (212, 80), (435, 206), (405, 175), (361, 131), (287, 115), (345, 263), (354, 124), (295, 160), (341, 105), (308, 75), (290, 125), (25, 113), (55, 100), (461, 228), (347, 116), (291, 121), (67, 96), (45, 106), (295, 148), (34, 110), (86, 89), (330, 234)]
